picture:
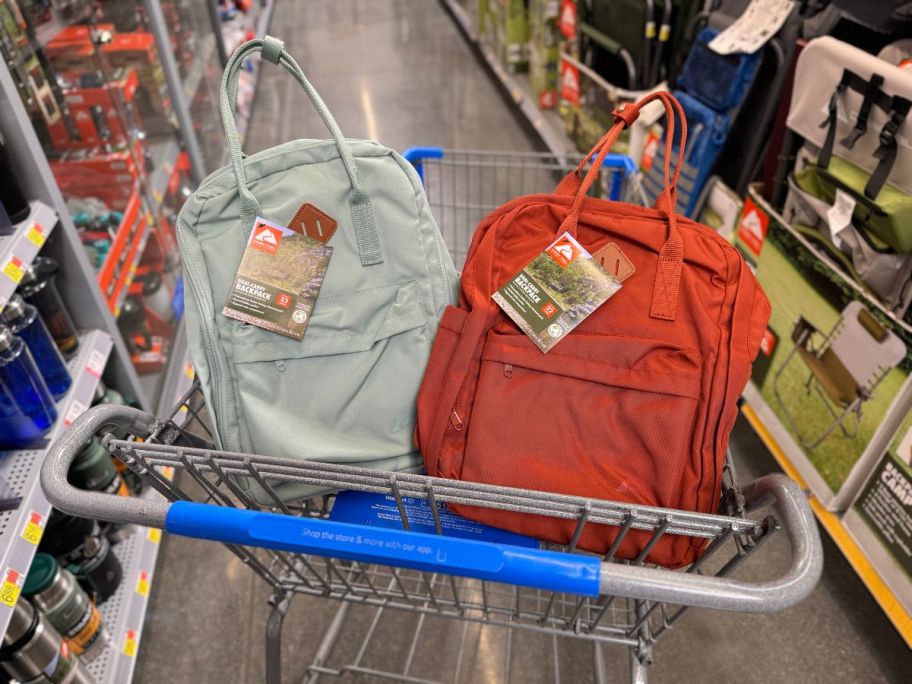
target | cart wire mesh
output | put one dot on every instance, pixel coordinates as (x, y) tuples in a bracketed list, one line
[(181, 461), (465, 186), (183, 444)]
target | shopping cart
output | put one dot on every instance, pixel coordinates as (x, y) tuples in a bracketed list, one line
[(476, 588)]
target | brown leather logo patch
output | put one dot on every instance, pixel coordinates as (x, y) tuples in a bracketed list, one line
[(313, 223), (615, 262)]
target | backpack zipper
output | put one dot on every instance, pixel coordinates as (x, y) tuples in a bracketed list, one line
[(205, 316), (456, 421), (508, 370)]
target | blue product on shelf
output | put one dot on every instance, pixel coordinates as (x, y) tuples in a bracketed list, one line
[(24, 321), (27, 410)]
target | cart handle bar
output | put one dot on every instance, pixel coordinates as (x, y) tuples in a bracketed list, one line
[(548, 570), (622, 165)]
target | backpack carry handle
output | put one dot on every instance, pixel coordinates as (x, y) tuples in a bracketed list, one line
[(671, 256), (273, 50)]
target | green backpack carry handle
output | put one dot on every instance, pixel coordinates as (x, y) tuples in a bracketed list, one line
[(273, 50)]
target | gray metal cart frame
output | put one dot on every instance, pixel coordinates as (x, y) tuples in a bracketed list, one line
[(557, 591)]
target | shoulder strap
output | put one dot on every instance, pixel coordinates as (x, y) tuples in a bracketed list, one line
[(888, 148)]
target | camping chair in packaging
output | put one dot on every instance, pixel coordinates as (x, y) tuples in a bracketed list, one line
[(845, 367)]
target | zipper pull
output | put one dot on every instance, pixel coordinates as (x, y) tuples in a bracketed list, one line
[(508, 370), (456, 421)]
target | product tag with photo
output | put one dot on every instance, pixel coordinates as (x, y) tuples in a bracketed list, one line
[(556, 291), (278, 281)]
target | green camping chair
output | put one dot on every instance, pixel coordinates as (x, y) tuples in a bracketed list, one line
[(845, 367)]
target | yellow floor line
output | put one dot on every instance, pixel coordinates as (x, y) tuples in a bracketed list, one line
[(901, 619)]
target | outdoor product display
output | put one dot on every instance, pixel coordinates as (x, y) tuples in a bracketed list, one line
[(711, 89), (38, 288), (24, 321), (27, 410), (851, 189), (346, 391), (34, 653), (11, 195), (66, 606), (653, 375)]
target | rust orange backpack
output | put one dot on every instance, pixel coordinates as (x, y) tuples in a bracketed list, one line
[(636, 404)]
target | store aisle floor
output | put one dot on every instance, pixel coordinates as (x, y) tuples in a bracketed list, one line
[(399, 72)]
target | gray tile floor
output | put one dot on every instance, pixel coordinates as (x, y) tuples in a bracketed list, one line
[(399, 72)]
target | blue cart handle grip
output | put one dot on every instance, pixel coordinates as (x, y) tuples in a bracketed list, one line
[(548, 570)]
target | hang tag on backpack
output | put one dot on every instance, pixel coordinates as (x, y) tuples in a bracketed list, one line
[(556, 291), (278, 281)]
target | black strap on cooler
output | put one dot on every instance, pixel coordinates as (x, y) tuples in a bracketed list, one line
[(861, 123), (887, 150), (826, 152)]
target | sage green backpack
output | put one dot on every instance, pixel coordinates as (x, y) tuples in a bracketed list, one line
[(346, 392)]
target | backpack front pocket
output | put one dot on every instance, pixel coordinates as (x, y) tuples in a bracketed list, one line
[(346, 392), (599, 416)]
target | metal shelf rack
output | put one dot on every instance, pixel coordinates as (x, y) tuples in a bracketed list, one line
[(17, 251), (21, 529), (546, 123), (124, 612)]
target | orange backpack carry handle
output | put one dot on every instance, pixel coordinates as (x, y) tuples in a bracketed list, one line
[(671, 257)]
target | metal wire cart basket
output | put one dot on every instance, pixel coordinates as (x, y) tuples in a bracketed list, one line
[(556, 591)]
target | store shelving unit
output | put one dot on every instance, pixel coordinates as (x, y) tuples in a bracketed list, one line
[(546, 123), (864, 553), (21, 529), (124, 612), (17, 251), (195, 76)]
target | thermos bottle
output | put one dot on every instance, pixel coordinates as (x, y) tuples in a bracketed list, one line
[(33, 651), (66, 606), (24, 321), (39, 289), (27, 410)]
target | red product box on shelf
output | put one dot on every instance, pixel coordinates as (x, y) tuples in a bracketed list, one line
[(85, 105), (73, 48), (107, 175), (119, 269)]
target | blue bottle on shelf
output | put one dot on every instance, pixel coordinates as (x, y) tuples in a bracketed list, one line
[(23, 319), (27, 410)]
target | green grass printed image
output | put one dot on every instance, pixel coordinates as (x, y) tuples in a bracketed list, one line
[(295, 267), (794, 293)]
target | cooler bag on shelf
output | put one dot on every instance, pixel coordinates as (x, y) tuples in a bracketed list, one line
[(346, 392), (636, 403), (711, 89), (856, 153)]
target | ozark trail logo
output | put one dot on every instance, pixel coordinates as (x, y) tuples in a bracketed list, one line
[(266, 238), (563, 252)]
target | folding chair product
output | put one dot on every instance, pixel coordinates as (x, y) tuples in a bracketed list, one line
[(844, 367)]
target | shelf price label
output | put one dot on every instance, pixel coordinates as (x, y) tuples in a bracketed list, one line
[(75, 410), (14, 269), (12, 587), (35, 234), (96, 363), (34, 528), (154, 535), (143, 583), (131, 642)]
